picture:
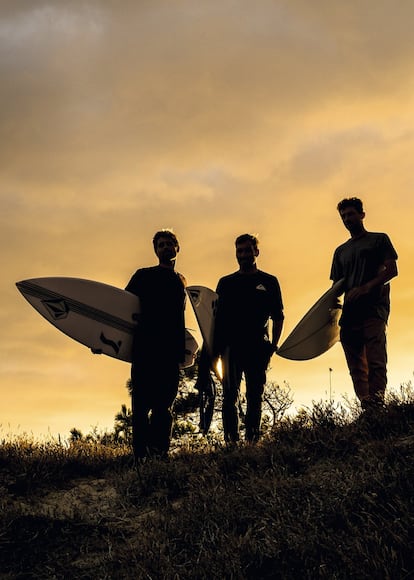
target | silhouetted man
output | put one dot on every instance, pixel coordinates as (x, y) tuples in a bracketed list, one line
[(158, 348), (367, 261), (246, 300)]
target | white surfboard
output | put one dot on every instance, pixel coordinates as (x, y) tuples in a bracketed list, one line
[(317, 331), (100, 316), (204, 303)]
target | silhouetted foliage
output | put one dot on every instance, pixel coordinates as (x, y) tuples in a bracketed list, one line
[(327, 493)]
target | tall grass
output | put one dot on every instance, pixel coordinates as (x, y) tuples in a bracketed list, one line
[(326, 494)]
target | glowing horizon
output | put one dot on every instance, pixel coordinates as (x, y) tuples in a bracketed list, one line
[(213, 119)]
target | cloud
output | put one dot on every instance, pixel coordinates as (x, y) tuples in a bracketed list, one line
[(213, 118), (91, 91)]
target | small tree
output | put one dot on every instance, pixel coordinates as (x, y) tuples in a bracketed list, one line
[(276, 401), (123, 425)]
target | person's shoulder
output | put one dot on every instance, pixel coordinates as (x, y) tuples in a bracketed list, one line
[(378, 235), (229, 277), (267, 277), (147, 270), (147, 273), (343, 246), (265, 274), (227, 281), (137, 280), (378, 239), (182, 278), (339, 249)]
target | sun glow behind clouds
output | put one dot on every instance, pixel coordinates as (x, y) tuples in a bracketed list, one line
[(214, 122)]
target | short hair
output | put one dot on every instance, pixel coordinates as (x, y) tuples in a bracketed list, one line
[(251, 238), (166, 233), (351, 202)]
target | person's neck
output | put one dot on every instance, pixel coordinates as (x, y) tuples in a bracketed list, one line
[(249, 270), (358, 233), (167, 265)]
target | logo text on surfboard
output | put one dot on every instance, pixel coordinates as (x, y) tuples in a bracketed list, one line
[(57, 308), (115, 345)]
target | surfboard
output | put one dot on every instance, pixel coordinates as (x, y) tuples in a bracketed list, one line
[(317, 331), (99, 316), (204, 303)]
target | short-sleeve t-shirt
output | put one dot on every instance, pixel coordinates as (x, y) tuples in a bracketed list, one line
[(358, 261), (245, 304), (161, 326)]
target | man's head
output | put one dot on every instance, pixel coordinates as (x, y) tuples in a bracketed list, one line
[(247, 250), (354, 202), (166, 246), (352, 214)]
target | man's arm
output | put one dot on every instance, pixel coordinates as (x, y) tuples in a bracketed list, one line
[(387, 271), (277, 314), (276, 332)]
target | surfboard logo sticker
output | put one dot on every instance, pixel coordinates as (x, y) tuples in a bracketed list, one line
[(195, 296), (57, 308), (115, 345)]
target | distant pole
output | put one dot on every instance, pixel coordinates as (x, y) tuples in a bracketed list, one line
[(330, 384)]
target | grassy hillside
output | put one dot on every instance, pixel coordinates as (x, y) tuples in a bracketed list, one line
[(323, 496)]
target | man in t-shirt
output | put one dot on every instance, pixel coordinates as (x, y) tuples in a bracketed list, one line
[(367, 261), (246, 300), (158, 348)]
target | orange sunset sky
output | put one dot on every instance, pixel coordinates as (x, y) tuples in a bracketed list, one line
[(211, 117)]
